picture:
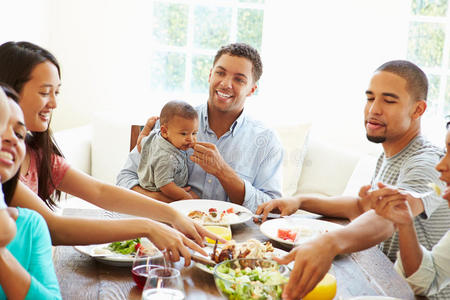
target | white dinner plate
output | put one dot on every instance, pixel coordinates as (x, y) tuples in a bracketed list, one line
[(309, 228), (276, 252), (374, 298), (113, 259), (186, 206)]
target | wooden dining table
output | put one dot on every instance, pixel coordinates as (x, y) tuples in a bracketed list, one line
[(367, 272)]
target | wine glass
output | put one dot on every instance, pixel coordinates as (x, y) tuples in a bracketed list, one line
[(164, 283), (144, 261)]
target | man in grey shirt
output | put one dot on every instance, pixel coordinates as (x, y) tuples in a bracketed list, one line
[(396, 100)]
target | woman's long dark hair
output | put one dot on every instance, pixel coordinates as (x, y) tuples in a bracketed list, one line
[(17, 61), (9, 187)]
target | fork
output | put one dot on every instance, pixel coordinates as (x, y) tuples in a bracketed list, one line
[(420, 195)]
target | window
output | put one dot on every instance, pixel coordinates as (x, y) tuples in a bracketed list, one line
[(187, 34), (429, 47)]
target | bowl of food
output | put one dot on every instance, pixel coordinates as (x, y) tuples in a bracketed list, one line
[(250, 278)]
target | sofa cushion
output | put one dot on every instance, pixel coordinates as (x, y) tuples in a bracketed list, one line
[(110, 145), (294, 139), (326, 169), (362, 174), (75, 145)]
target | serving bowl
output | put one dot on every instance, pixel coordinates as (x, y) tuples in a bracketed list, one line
[(250, 278)]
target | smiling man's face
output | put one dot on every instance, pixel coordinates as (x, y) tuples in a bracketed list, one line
[(230, 83), (389, 108)]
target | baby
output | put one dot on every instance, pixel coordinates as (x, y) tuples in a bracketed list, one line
[(7, 224), (163, 166)]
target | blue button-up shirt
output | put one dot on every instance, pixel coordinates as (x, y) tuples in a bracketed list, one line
[(252, 150)]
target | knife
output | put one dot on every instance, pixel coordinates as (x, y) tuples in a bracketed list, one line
[(203, 260)]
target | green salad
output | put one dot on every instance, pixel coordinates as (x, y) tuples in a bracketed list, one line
[(125, 247), (250, 283)]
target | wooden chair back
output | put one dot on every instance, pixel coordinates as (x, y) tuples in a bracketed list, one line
[(135, 130)]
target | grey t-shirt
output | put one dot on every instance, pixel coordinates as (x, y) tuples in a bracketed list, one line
[(161, 163), (413, 169)]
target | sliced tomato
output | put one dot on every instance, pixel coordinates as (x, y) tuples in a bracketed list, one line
[(212, 209), (287, 234), (137, 246), (230, 210)]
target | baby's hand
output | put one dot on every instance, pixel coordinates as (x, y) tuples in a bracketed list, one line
[(146, 131)]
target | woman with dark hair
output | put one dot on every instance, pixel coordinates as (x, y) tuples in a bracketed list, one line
[(26, 266), (35, 74), (7, 224)]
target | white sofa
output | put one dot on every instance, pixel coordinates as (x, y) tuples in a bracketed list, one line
[(311, 166)]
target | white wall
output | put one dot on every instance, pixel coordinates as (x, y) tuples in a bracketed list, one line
[(25, 20), (318, 57), (104, 48)]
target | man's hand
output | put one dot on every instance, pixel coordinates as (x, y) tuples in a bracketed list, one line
[(146, 131), (208, 158), (364, 203), (286, 206), (312, 261)]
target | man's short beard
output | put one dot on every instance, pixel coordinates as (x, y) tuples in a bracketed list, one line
[(376, 139)]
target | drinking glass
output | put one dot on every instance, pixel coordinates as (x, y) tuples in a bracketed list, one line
[(164, 284), (144, 261)]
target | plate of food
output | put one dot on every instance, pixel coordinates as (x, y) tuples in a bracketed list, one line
[(213, 212), (286, 230), (251, 248), (120, 254)]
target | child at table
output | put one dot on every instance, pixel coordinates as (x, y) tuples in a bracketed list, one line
[(427, 272), (163, 166)]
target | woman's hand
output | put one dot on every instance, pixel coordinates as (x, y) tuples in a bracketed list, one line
[(391, 204), (13, 212), (396, 210), (193, 230), (165, 237)]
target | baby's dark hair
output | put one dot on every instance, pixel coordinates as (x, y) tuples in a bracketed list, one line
[(177, 108)]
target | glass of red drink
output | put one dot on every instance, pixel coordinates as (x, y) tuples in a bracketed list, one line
[(144, 261)]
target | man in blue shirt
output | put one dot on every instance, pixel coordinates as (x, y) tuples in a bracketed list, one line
[(237, 159)]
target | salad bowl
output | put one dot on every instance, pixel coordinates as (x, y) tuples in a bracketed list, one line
[(250, 278)]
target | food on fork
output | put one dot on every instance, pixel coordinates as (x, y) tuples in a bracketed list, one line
[(436, 188)]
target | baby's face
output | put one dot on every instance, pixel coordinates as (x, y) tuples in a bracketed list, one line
[(181, 132)]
